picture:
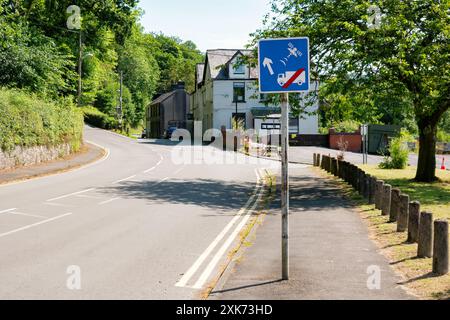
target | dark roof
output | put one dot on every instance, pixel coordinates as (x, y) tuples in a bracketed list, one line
[(162, 97), (219, 59)]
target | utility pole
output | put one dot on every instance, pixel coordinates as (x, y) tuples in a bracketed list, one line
[(285, 184), (80, 67), (121, 101)]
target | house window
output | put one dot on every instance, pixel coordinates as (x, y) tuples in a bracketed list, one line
[(239, 69), (239, 92)]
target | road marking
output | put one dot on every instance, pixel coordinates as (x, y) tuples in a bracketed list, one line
[(8, 210), (87, 197), (123, 180), (149, 170), (108, 201), (34, 225), (210, 268), (157, 165), (70, 194), (193, 269), (58, 205), (29, 215)]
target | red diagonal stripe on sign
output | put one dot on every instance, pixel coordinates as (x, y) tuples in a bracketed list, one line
[(292, 79)]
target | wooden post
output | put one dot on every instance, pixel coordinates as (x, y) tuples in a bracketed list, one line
[(403, 216), (425, 248), (395, 205), (379, 194), (386, 200), (413, 222), (366, 189), (440, 252), (372, 189)]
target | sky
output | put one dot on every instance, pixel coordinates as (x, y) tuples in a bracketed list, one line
[(210, 24)]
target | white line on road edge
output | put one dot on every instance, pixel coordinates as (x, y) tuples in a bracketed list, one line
[(29, 215), (210, 268), (108, 201), (8, 210), (123, 180), (34, 225), (70, 194), (193, 269)]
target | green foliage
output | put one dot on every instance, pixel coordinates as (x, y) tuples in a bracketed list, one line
[(28, 59), (347, 126), (99, 119), (38, 53), (392, 73), (398, 154), (443, 136), (176, 61), (27, 120)]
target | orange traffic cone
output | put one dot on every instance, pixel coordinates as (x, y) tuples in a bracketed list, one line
[(443, 164)]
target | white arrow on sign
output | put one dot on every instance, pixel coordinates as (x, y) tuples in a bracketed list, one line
[(267, 63)]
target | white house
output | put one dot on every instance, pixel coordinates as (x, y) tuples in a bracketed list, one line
[(227, 89)]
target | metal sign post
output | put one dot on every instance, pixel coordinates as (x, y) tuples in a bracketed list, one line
[(285, 184), (284, 68)]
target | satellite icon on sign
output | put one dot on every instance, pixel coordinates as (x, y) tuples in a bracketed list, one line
[(293, 52)]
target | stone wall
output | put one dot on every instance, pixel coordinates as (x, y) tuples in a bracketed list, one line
[(21, 156)]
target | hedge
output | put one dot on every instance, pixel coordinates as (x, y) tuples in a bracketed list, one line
[(99, 119), (28, 120)]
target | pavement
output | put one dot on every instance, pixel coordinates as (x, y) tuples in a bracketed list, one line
[(330, 251), (144, 222), (88, 154), (305, 155)]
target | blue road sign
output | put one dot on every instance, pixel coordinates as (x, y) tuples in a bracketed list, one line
[(284, 65)]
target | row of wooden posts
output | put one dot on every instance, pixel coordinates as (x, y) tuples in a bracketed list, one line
[(431, 237)]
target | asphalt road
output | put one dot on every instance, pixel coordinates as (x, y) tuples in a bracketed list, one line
[(139, 224)]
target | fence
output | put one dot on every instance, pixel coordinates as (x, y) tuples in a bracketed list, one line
[(431, 236)]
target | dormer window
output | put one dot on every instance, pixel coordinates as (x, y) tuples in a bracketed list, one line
[(239, 69)]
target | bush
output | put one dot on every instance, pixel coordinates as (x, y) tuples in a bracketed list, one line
[(398, 150), (347, 126), (28, 120), (98, 119), (443, 136)]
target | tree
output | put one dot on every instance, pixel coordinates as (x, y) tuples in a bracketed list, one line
[(141, 72), (405, 49)]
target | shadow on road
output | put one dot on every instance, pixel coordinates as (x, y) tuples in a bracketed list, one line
[(214, 194)]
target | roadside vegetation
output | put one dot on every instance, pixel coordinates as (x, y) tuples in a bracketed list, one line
[(39, 54), (27, 120)]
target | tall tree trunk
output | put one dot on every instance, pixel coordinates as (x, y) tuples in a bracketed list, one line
[(426, 168)]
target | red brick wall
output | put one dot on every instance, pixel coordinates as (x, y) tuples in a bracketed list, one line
[(354, 140)]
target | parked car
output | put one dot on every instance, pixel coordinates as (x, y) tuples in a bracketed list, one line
[(169, 132)]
